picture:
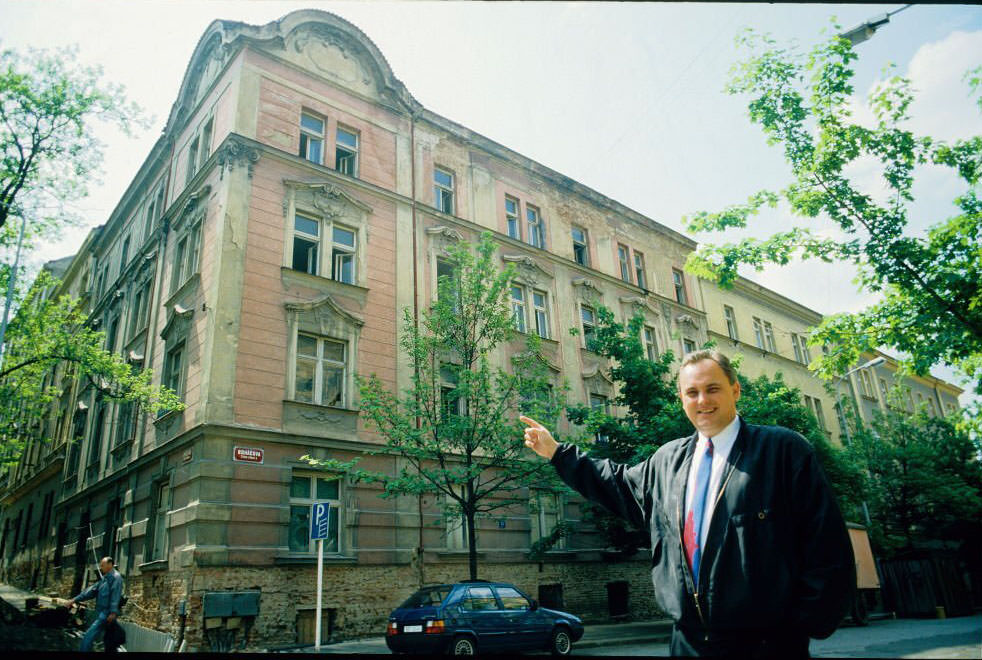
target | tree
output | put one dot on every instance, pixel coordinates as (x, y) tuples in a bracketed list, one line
[(654, 416), (457, 425), (931, 286), (923, 478), (49, 345), (49, 154)]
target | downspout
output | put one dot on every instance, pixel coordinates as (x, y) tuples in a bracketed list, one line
[(412, 193)]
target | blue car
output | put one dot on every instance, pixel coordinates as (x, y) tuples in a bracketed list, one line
[(478, 617)]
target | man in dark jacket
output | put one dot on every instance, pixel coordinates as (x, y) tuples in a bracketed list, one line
[(750, 554), (107, 593)]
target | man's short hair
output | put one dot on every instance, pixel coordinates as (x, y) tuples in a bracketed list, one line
[(715, 356), (109, 560)]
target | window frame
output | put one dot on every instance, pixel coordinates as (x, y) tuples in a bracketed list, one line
[(681, 292), (649, 341), (320, 361), (584, 245), (536, 226), (443, 194), (324, 242), (310, 134), (729, 315), (336, 509), (158, 542), (584, 324), (352, 153), (640, 273), (600, 402), (513, 224), (769, 337), (624, 260)]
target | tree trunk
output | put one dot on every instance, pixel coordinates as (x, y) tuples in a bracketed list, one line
[(471, 536)]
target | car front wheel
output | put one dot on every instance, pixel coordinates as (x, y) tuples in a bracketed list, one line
[(562, 643), (463, 646)]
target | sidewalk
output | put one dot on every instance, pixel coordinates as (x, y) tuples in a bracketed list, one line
[(594, 635)]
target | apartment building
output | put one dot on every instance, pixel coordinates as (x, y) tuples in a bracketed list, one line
[(297, 201)]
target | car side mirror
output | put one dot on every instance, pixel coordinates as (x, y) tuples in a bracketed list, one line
[(534, 605)]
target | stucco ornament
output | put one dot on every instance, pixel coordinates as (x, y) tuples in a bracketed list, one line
[(528, 269), (328, 53), (687, 319), (586, 289), (237, 153), (443, 237)]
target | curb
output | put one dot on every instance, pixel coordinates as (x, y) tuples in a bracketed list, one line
[(621, 641)]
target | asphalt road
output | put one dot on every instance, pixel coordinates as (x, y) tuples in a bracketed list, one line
[(901, 638)]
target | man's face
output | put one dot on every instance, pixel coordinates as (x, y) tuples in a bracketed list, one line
[(708, 398), (105, 566)]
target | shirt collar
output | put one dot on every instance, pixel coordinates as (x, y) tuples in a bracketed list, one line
[(722, 441)]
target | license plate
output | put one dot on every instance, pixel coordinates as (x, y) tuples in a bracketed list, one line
[(412, 629)]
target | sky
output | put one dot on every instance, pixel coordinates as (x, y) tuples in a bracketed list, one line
[(626, 98)]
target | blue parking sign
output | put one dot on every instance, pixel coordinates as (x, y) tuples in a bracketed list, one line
[(320, 518)]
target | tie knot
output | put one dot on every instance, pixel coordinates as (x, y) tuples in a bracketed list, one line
[(709, 445)]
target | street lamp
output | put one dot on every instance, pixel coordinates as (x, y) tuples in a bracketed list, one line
[(864, 31)]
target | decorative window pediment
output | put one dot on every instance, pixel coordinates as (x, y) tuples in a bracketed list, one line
[(687, 319), (324, 316), (640, 302), (595, 375), (441, 238), (528, 269), (178, 322), (236, 153), (586, 288), (326, 199), (194, 208)]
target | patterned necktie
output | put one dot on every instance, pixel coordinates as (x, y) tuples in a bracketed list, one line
[(692, 533)]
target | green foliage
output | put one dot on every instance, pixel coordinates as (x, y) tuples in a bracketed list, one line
[(931, 306), (457, 425), (923, 479), (49, 346), (49, 155)]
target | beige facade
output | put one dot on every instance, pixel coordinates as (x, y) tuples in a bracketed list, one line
[(297, 202)]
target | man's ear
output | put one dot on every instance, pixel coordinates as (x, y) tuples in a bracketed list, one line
[(736, 391)]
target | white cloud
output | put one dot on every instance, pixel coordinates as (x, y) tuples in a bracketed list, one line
[(942, 107)]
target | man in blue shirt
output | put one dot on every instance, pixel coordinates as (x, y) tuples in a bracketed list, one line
[(107, 592)]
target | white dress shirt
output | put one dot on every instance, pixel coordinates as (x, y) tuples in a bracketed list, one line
[(722, 444)]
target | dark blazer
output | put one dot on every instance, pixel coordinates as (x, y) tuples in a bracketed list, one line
[(777, 555)]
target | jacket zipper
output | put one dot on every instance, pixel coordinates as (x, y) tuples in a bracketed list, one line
[(688, 570)]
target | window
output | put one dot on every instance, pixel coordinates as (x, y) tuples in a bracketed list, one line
[(125, 426), (866, 384), (841, 418), (140, 311), (94, 457), (446, 282), (581, 254), (650, 347), (622, 259), (759, 332), (173, 376), (306, 257), (456, 530), (478, 599), (679, 280), (343, 255), (520, 309), (443, 190), (547, 514), (155, 207), (206, 142), (600, 404), (883, 389), (800, 345), (305, 490), (78, 435), (320, 372), (112, 333), (451, 403), (346, 152), (541, 311), (769, 336), (192, 160), (537, 233), (311, 137), (639, 276), (511, 217), (306, 237), (932, 410), (158, 524), (186, 256), (512, 599), (815, 406), (124, 255), (688, 346), (731, 327), (588, 319)]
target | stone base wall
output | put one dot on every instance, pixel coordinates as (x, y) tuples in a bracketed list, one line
[(357, 599)]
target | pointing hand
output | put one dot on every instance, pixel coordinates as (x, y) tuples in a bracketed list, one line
[(538, 438)]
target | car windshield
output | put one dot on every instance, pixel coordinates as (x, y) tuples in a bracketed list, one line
[(428, 597)]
